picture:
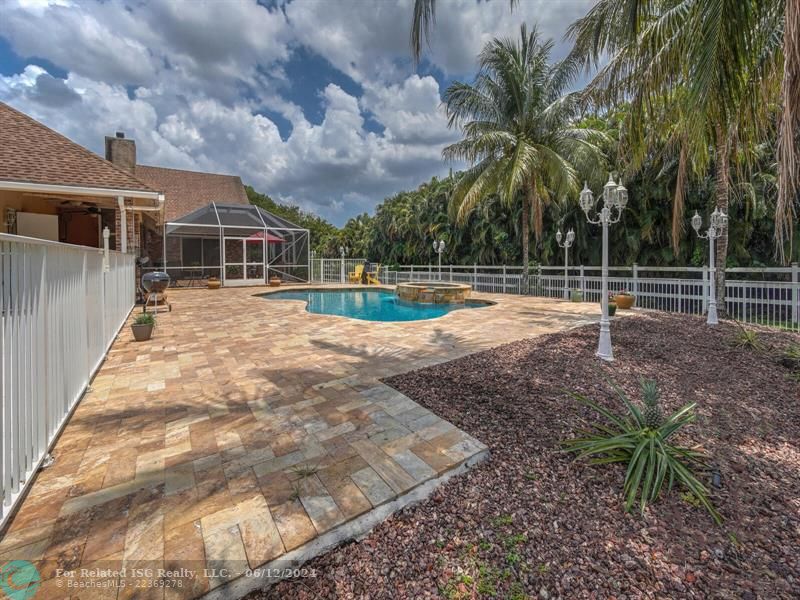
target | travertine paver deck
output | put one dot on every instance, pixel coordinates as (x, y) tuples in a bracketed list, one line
[(246, 428)]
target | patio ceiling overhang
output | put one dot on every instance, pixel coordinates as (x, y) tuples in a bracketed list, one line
[(142, 200)]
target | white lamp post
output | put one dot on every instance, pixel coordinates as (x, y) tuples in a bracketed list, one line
[(615, 198), (438, 247), (342, 252), (717, 224), (566, 246)]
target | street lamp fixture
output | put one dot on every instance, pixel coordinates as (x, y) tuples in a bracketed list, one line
[(717, 224), (438, 247), (566, 246), (343, 250), (615, 199)]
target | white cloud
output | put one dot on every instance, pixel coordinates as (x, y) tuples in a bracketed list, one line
[(410, 111), (192, 83), (367, 43)]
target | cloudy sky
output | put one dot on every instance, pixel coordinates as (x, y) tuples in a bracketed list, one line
[(314, 102)]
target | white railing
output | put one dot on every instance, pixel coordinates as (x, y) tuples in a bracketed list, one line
[(59, 313), (333, 270), (767, 296)]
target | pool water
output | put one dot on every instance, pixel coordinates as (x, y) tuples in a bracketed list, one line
[(368, 305)]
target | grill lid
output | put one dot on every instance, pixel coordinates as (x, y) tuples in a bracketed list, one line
[(155, 281)]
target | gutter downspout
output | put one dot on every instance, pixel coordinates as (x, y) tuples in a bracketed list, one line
[(123, 225)]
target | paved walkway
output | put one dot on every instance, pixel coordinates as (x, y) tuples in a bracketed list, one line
[(243, 431)]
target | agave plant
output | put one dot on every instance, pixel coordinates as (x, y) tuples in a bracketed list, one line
[(641, 439), (748, 339)]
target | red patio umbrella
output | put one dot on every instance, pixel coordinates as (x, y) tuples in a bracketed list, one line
[(271, 237)]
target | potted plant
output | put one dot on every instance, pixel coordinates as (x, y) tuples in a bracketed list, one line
[(214, 283), (576, 296), (274, 281), (612, 305), (142, 327), (624, 299)]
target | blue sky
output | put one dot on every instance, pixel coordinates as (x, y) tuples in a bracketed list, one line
[(315, 102)]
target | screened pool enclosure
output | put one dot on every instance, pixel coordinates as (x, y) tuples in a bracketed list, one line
[(240, 244)]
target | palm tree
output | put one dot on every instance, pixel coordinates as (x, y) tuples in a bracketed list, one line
[(519, 134), (700, 70), (613, 27), (788, 128)]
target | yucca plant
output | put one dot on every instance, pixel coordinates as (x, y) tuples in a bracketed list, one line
[(640, 439), (749, 339)]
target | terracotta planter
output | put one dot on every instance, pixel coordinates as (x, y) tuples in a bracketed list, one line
[(214, 283), (142, 333), (624, 301), (274, 282)]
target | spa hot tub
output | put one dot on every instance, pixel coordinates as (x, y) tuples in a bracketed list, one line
[(433, 292)]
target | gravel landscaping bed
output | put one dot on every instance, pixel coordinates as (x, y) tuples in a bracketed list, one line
[(532, 522)]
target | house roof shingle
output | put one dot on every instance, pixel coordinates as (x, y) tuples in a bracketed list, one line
[(31, 152), (186, 191)]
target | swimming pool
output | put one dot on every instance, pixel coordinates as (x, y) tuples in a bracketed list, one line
[(368, 305)]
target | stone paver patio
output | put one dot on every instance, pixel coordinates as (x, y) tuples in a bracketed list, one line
[(245, 430)]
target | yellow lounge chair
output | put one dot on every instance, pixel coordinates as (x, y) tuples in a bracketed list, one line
[(372, 278), (355, 276)]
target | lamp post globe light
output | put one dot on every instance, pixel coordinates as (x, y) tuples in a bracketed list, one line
[(717, 224), (615, 198), (438, 247), (566, 246)]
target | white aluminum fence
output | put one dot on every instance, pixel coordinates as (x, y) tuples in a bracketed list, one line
[(59, 313), (767, 296), (333, 270)]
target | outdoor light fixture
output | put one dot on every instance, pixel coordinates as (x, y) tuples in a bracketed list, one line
[(717, 224), (343, 250), (438, 247), (615, 199), (566, 246)]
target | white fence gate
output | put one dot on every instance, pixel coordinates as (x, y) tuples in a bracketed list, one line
[(59, 313), (333, 270)]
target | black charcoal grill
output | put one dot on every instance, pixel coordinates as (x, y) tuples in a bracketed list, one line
[(155, 284)]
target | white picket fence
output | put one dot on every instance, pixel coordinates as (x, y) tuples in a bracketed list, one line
[(767, 296), (59, 313)]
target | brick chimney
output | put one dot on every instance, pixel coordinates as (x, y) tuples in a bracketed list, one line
[(121, 151)]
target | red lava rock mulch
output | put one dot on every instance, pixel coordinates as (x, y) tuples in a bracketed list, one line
[(532, 522)]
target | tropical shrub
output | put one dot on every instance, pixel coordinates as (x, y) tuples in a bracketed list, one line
[(748, 339), (641, 440), (144, 319), (790, 358)]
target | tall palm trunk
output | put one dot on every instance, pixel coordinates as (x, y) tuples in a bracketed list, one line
[(722, 192), (788, 152), (526, 226)]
